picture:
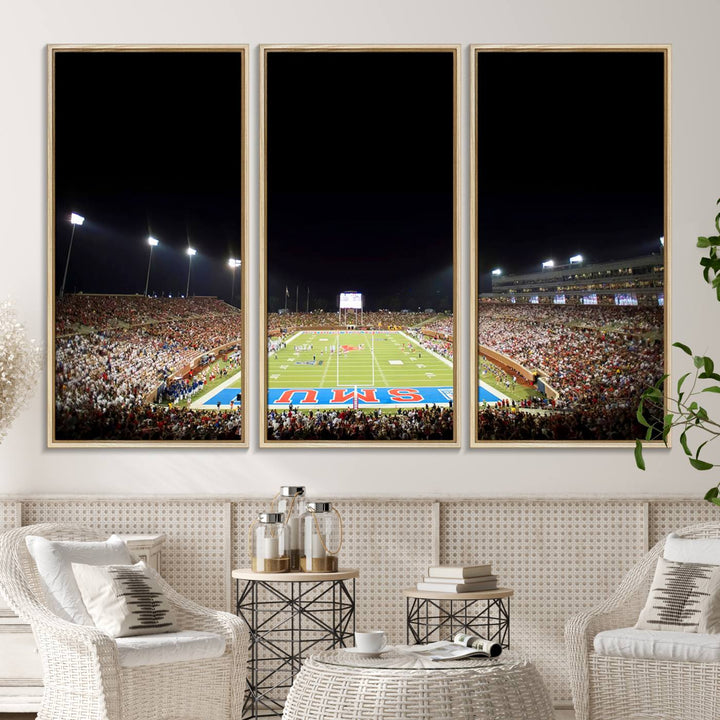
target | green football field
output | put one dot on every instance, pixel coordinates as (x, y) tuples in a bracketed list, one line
[(368, 360)]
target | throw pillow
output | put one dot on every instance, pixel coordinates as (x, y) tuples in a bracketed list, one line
[(53, 559), (684, 597), (124, 600), (692, 550)]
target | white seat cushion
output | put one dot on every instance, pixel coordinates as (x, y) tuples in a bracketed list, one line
[(169, 648), (658, 645)]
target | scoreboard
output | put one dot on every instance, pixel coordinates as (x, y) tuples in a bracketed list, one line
[(351, 301)]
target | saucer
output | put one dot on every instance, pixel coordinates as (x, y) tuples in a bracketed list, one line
[(360, 653)]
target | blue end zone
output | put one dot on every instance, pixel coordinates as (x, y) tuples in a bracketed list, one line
[(369, 397), (485, 395), (224, 396)]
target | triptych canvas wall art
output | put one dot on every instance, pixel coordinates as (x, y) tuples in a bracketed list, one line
[(359, 234)]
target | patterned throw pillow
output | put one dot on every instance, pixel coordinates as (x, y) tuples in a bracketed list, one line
[(124, 600), (684, 597)]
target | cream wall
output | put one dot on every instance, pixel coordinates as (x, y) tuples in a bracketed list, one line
[(27, 467)]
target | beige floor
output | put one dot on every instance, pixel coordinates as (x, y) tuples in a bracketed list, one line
[(560, 715)]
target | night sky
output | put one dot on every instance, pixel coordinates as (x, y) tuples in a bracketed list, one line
[(149, 143), (570, 157), (360, 178)]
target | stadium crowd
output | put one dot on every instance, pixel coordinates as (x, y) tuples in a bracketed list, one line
[(599, 360), (103, 378), (379, 319), (423, 423), (88, 313)]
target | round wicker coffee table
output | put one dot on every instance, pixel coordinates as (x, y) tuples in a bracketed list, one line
[(339, 685)]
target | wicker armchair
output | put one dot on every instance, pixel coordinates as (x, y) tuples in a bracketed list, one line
[(614, 688), (81, 671)]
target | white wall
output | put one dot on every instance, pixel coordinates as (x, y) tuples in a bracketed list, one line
[(26, 466)]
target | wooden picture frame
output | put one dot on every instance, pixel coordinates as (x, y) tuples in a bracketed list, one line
[(344, 97), (549, 89), (340, 77), (161, 129)]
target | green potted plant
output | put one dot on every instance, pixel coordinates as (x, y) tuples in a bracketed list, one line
[(660, 413)]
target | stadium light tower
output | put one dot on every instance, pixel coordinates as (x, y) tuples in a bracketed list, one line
[(497, 271), (75, 220), (576, 259), (548, 264), (190, 252), (232, 264), (152, 242), (662, 240)]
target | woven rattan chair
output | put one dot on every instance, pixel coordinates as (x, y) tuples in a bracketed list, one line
[(81, 671), (614, 688)]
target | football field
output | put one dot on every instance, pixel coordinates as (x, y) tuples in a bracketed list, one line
[(324, 368)]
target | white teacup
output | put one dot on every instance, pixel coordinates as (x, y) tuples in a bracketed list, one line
[(372, 641)]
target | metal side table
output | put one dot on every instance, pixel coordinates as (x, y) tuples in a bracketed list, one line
[(439, 615), (289, 616)]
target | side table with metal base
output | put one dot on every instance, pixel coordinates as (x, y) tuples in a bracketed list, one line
[(438, 615), (290, 615)]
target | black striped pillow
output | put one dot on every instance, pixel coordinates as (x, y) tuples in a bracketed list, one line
[(684, 597), (124, 600)]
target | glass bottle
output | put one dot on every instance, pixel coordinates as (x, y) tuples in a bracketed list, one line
[(292, 503), (323, 537), (269, 546)]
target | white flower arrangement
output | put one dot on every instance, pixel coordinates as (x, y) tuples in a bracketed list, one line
[(19, 366)]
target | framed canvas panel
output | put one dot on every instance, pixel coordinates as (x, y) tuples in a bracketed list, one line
[(148, 226), (359, 235), (570, 238)]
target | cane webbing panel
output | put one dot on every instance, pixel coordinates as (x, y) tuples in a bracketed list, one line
[(668, 515), (7, 515), (192, 559), (559, 557)]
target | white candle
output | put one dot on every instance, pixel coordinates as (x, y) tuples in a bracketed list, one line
[(295, 533), (318, 551), (271, 548), (259, 554)]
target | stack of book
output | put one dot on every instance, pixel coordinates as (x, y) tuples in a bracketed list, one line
[(458, 579)]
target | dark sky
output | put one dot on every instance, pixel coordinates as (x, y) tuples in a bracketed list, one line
[(360, 177), (570, 157), (148, 143)]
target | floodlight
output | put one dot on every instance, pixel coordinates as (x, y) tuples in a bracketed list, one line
[(662, 240), (153, 241), (76, 219), (548, 264), (191, 251), (233, 263), (497, 271), (576, 259)]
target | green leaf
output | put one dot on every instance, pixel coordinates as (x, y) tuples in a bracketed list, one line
[(703, 242), (649, 434), (715, 501), (683, 347), (640, 417), (653, 393), (639, 455), (701, 464), (708, 364), (684, 443), (709, 376), (712, 493), (712, 388), (698, 361)]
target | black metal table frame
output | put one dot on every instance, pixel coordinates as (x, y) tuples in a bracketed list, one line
[(301, 620), (427, 616)]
